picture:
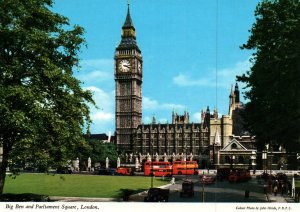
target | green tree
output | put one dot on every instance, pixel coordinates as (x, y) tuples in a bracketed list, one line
[(43, 109), (99, 151), (273, 112)]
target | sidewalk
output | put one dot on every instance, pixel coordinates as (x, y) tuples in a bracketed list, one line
[(279, 198)]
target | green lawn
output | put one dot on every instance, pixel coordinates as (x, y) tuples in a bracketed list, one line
[(78, 185), (297, 183)]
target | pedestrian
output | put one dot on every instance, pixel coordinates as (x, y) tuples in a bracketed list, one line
[(173, 181), (282, 189), (275, 189), (265, 189)]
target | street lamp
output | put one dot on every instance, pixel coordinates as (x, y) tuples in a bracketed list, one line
[(232, 161), (264, 158), (152, 160)]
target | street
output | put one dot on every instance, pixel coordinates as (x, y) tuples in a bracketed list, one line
[(219, 191)]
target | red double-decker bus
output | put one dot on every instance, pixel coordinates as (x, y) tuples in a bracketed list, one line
[(158, 169), (185, 167)]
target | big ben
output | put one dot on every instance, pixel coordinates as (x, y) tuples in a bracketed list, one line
[(128, 82)]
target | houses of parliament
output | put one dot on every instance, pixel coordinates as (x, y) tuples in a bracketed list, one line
[(180, 139)]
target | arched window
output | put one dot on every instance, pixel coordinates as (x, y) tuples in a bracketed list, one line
[(233, 146)]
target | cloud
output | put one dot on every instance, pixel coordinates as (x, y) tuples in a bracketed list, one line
[(196, 117), (96, 71), (147, 120), (226, 76), (103, 116), (149, 103), (185, 80)]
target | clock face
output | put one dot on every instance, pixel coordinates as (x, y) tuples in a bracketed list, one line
[(124, 66)]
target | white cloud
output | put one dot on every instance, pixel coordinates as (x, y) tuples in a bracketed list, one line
[(185, 80), (196, 117), (102, 116), (149, 103), (147, 120), (163, 121), (95, 71), (226, 76), (96, 75)]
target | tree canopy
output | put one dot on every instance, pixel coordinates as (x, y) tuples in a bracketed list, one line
[(43, 109), (273, 112)]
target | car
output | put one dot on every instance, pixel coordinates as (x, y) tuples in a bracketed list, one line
[(107, 172), (187, 189), (64, 170), (239, 176), (157, 195), (207, 179), (125, 171)]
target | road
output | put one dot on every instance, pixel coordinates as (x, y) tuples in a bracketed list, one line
[(219, 191)]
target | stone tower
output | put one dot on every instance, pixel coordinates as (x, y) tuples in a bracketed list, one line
[(128, 82)]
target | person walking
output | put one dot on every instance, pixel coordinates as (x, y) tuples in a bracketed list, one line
[(275, 187), (283, 189), (173, 181)]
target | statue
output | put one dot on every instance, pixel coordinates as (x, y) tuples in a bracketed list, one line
[(137, 164), (118, 162), (165, 157), (89, 164), (77, 164), (156, 157), (148, 157), (106, 163), (191, 156)]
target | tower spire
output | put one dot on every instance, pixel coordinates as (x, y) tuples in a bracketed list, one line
[(128, 33), (128, 21)]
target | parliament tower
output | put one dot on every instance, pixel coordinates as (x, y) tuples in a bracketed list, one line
[(128, 82)]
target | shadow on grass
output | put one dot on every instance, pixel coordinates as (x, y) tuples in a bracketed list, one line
[(27, 197), (126, 193)]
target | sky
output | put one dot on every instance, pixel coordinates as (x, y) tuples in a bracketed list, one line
[(190, 48)]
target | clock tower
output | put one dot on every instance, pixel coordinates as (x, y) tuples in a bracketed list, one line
[(128, 82)]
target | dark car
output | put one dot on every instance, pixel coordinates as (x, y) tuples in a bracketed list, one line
[(157, 195), (207, 179), (64, 170), (187, 189), (107, 172)]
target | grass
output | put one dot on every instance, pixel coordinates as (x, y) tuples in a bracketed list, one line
[(78, 185), (297, 183)]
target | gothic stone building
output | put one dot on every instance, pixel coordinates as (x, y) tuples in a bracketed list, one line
[(178, 140)]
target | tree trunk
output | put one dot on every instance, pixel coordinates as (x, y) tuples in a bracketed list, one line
[(3, 167)]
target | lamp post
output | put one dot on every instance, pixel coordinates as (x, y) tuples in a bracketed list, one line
[(152, 172), (264, 158), (203, 187), (232, 161), (253, 164)]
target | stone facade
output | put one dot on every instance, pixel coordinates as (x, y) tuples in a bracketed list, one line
[(128, 86), (198, 140), (178, 138)]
